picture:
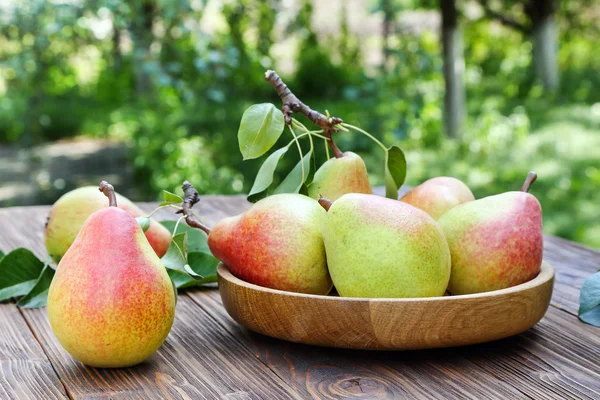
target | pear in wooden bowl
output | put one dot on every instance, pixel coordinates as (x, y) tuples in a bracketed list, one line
[(387, 324)]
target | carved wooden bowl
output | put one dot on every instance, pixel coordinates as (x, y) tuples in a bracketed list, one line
[(387, 324)]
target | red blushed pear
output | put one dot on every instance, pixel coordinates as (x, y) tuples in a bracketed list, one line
[(495, 242), (437, 196), (70, 212), (277, 243), (111, 302)]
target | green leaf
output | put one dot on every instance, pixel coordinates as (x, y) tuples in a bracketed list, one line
[(1, 255), (197, 240), (176, 256), (170, 198), (201, 263), (261, 126), (19, 271), (395, 171), (589, 300), (293, 181), (144, 223), (264, 178), (38, 295)]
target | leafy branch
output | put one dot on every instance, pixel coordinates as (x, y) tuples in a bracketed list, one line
[(291, 104), (262, 126)]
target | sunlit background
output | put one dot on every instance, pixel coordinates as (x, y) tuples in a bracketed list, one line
[(147, 93)]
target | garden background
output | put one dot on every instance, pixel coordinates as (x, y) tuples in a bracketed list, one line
[(147, 93)]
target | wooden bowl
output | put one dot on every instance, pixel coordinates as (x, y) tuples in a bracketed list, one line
[(387, 324)]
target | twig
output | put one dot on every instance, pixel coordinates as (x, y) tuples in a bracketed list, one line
[(503, 19), (191, 197), (291, 104)]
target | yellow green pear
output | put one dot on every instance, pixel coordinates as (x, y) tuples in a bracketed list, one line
[(111, 302), (340, 175), (379, 247)]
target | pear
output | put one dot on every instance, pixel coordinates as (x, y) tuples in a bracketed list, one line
[(378, 247), (277, 243), (70, 212), (496, 242), (338, 176), (437, 196), (111, 302)]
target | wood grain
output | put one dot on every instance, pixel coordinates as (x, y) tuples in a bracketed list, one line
[(25, 371), (198, 360), (387, 324)]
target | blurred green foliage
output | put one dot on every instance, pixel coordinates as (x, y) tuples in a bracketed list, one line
[(146, 72)]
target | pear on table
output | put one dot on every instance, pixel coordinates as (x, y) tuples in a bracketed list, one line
[(437, 196), (70, 212), (496, 242), (346, 173), (378, 247), (277, 243), (111, 302)]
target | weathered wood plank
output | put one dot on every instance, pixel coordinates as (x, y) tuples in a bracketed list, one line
[(198, 360), (573, 263), (25, 371), (537, 363)]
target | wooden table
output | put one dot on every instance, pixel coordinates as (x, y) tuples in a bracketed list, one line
[(207, 355)]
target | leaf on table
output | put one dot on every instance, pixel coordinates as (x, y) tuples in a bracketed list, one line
[(19, 271), (170, 198), (589, 300), (293, 182), (203, 264), (264, 177), (197, 239), (144, 223), (395, 171), (38, 295), (260, 127), (176, 258)]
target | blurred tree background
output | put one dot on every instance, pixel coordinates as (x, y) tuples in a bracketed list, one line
[(150, 92)]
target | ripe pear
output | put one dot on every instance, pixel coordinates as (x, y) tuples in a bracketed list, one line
[(437, 196), (496, 242), (111, 302), (70, 212), (378, 247), (277, 243), (338, 176)]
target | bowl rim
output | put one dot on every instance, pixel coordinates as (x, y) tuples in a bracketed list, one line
[(546, 274)]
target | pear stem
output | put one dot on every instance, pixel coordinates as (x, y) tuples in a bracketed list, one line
[(531, 177), (325, 203), (109, 191), (292, 104), (191, 197)]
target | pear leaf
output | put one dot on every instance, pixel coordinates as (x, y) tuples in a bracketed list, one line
[(170, 198), (19, 271), (144, 223), (38, 295), (261, 126), (264, 178), (197, 240), (589, 300), (176, 257), (201, 263), (395, 171), (293, 182)]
